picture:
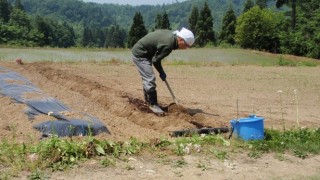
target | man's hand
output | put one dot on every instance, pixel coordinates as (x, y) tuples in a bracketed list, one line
[(163, 76), (159, 68)]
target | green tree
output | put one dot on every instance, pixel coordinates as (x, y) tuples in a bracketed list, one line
[(5, 33), (62, 34), (115, 37), (261, 3), (305, 39), (43, 27), (205, 33), (20, 28), (58, 34), (5, 10), (165, 21), (99, 36), (293, 4), (67, 35), (228, 30), (19, 18), (193, 19), (18, 5), (87, 39), (137, 30), (162, 21), (158, 22), (248, 5), (256, 29)]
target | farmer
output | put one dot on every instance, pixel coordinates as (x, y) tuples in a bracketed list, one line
[(150, 50)]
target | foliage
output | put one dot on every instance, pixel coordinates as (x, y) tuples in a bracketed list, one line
[(165, 21), (304, 40), (37, 175), (60, 153), (204, 28), (104, 15), (158, 22), (115, 37), (162, 21), (193, 19), (219, 154), (299, 142), (18, 30), (261, 3), (19, 18), (287, 62), (63, 35), (87, 37), (71, 11), (283, 62), (22, 30), (228, 30), (248, 5), (111, 37), (12, 154), (5, 10), (293, 3), (256, 29), (108, 161), (18, 5), (137, 30)]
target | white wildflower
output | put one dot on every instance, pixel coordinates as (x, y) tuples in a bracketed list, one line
[(197, 147)]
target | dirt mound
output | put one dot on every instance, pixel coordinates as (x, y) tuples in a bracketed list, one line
[(120, 104)]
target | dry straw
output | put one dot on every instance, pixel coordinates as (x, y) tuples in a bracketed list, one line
[(281, 108), (297, 106)]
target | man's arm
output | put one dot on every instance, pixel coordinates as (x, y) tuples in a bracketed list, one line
[(159, 68)]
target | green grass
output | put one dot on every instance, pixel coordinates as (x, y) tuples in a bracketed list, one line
[(193, 56), (63, 55), (299, 142), (227, 56), (289, 62), (60, 153)]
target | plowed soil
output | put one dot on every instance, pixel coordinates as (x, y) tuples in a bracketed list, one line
[(210, 97)]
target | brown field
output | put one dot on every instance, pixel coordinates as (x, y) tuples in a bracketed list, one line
[(211, 95)]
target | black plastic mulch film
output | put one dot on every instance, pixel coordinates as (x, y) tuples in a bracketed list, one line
[(23, 91)]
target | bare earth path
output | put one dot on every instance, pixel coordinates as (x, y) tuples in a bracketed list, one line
[(112, 92)]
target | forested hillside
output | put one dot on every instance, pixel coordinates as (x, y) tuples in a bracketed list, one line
[(88, 14)]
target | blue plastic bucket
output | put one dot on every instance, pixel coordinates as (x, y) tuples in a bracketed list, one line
[(251, 128)]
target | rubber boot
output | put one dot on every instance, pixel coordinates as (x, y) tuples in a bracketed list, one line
[(146, 96), (154, 106)]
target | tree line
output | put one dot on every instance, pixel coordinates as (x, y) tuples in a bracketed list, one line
[(291, 27), (17, 28)]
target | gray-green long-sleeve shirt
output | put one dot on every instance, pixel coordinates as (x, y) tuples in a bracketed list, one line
[(155, 45)]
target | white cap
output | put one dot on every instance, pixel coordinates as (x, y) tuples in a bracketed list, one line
[(186, 35)]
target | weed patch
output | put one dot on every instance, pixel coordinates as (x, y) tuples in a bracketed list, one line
[(300, 142), (291, 62), (61, 153)]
